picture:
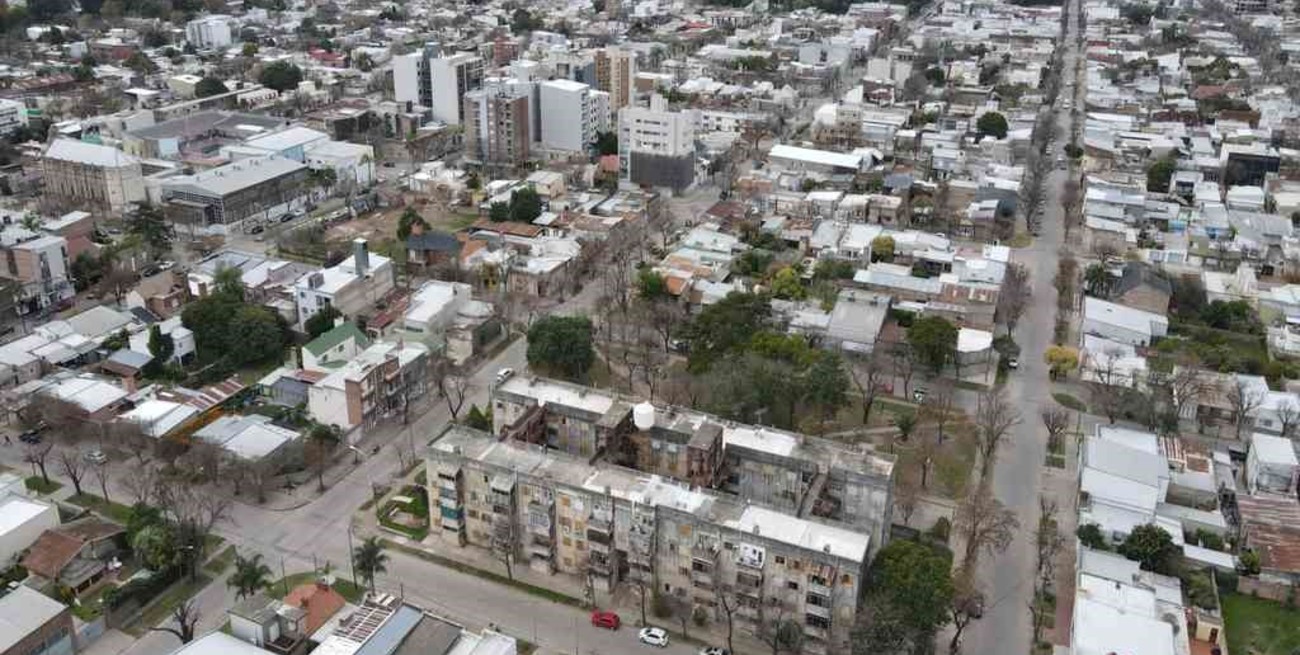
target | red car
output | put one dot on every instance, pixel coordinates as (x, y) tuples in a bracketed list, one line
[(605, 620)]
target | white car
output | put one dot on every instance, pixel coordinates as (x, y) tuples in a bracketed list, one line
[(504, 374), (714, 650), (653, 636), (96, 457)]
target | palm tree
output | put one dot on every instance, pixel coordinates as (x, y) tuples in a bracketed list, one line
[(369, 560), (905, 424), (250, 576)]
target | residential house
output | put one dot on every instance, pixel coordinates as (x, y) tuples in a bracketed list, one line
[(380, 381), (22, 521), (252, 439), (74, 555), (334, 348), (162, 295), (352, 287), (1142, 287), (32, 623), (1122, 324)]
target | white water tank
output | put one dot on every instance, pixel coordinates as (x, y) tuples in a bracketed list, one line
[(643, 416)]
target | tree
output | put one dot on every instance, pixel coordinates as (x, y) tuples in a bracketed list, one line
[(1060, 360), (249, 50), (161, 349), (905, 423), (525, 205), (152, 228), (1098, 281), (154, 545), (186, 617), (370, 560), (868, 376), (281, 76), (321, 441), (967, 605), (827, 385), (1015, 295), (994, 419), (561, 345), (651, 285), (606, 143), (725, 327), (499, 212), (1049, 542), (408, 221), (141, 64), (992, 124), (1288, 415), (1244, 399), (74, 466), (453, 387), (100, 469), (1151, 547), (322, 321), (1159, 174), (938, 407), (786, 285), (727, 606), (36, 455), (1057, 421), (194, 512), (250, 576), (882, 249), (909, 599), (209, 86), (478, 419), (934, 340), (985, 524)]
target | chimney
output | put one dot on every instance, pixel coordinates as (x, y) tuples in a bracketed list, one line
[(361, 256)]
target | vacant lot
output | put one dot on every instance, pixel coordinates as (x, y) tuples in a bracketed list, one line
[(1260, 627)]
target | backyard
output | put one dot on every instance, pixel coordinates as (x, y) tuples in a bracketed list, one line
[(1260, 627)]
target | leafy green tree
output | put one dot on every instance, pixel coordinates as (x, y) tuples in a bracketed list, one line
[(882, 249), (525, 205), (408, 220), (606, 143), (161, 348), (322, 321), (250, 576), (993, 124), (561, 345), (141, 64), (651, 285), (522, 21), (209, 86), (499, 212), (155, 546), (478, 419), (1159, 174), (934, 340), (786, 285), (911, 591), (149, 224), (753, 262), (725, 327), (833, 269), (370, 560), (1090, 535), (249, 50), (827, 386), (281, 76), (1249, 562), (87, 269), (1151, 547)]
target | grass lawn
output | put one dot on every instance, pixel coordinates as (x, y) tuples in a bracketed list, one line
[(211, 544), (39, 485), (541, 592), (162, 609), (283, 586), (116, 512), (1070, 402), (90, 606), (218, 565), (1259, 626)]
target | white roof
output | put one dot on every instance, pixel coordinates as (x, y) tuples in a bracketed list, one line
[(1119, 315), (87, 391), (1273, 450), (15, 511), (590, 400), (22, 611), (809, 155), (89, 153), (158, 417), (218, 643), (249, 437), (1118, 618), (760, 439), (293, 137), (431, 297), (803, 533), (970, 340)]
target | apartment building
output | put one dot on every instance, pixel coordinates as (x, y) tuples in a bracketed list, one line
[(40, 264), (89, 176), (615, 72), (380, 381), (787, 472), (657, 146), (235, 197), (209, 32), (411, 78), (498, 126), (13, 115), (566, 112), (352, 287), (555, 512), (450, 78)]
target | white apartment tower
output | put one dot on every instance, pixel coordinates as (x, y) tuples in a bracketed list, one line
[(657, 146), (209, 32), (566, 111), (411, 76), (450, 78)]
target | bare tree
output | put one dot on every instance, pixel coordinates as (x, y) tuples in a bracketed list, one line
[(186, 617), (1288, 414), (142, 484), (904, 363), (984, 524), (196, 512), (642, 585), (73, 465), (1049, 542), (1014, 297), (1108, 386), (994, 420), (868, 376), (938, 406), (906, 497), (37, 454), (100, 471), (454, 388), (967, 605), (1186, 385), (1244, 399), (1057, 421), (727, 606)]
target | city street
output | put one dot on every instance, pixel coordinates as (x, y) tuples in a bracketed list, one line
[(1007, 578)]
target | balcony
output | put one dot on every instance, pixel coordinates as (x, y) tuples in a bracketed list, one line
[(448, 503), (819, 589), (598, 525), (818, 611), (748, 612), (702, 579), (816, 632), (542, 551), (597, 546)]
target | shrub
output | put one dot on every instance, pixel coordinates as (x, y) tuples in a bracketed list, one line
[(940, 529), (661, 606), (1091, 536)]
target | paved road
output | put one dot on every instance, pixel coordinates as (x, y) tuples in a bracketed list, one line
[(1007, 579)]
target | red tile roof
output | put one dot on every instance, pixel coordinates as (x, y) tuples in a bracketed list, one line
[(319, 600)]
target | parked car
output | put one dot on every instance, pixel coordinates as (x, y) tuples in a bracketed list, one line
[(30, 436), (1013, 363), (604, 619), (653, 637), (96, 457), (504, 374), (166, 265), (918, 395), (714, 650)]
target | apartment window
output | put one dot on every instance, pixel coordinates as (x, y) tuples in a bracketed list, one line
[(780, 559), (846, 580), (792, 585)]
